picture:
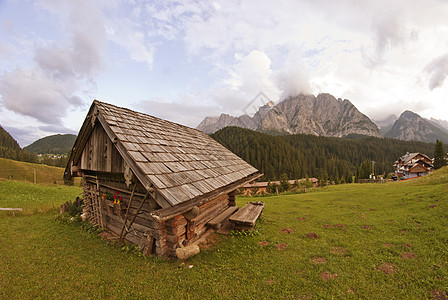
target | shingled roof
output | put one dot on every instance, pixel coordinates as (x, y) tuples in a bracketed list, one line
[(182, 163)]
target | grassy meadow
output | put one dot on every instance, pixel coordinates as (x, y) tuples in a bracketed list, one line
[(23, 171), (355, 241)]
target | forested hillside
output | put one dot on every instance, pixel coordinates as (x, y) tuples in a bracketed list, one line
[(305, 155), (53, 144), (7, 141), (9, 148)]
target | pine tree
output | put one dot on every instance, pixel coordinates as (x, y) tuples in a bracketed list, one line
[(284, 183), (365, 169), (439, 155)]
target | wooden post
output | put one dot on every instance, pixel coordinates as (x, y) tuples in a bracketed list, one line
[(123, 234), (126, 215), (34, 175)]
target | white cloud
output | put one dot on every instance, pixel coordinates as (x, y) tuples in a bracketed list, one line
[(130, 36), (193, 109), (32, 93), (50, 87), (437, 70)]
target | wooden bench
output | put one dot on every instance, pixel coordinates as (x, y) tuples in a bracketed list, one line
[(11, 209), (217, 222), (246, 217)]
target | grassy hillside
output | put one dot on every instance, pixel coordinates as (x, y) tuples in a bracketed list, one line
[(34, 198), (357, 241), (54, 144), (22, 171)]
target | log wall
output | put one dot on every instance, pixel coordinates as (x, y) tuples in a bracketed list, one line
[(160, 238)]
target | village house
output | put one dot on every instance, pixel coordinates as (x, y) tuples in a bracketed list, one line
[(413, 165), (253, 188), (154, 183)]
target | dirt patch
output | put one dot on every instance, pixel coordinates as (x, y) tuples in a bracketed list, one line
[(338, 250), (263, 243), (407, 245), (439, 295), (366, 227), (271, 281), (327, 276), (105, 235), (307, 216), (301, 219), (287, 230), (318, 260), (210, 241), (387, 245), (372, 209), (312, 235), (389, 221), (432, 206), (403, 231), (341, 225), (387, 268), (281, 246), (408, 255), (328, 226)]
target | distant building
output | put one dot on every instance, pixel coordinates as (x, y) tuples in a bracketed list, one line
[(261, 187), (413, 165)]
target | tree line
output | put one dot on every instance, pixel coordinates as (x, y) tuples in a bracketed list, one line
[(326, 158)]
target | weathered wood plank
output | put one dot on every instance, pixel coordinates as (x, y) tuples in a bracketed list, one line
[(218, 220), (248, 215), (168, 213), (206, 217)]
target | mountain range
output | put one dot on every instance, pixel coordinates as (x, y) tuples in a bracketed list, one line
[(324, 115)]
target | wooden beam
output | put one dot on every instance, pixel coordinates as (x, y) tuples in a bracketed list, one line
[(127, 212), (135, 216), (168, 213)]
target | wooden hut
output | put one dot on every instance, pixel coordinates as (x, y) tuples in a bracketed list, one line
[(154, 183)]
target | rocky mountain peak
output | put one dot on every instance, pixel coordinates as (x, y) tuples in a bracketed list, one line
[(412, 127), (323, 115)]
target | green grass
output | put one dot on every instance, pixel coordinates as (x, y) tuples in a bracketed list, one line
[(382, 223), (34, 198), (23, 171)]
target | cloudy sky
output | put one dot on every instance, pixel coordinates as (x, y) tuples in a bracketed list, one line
[(184, 60)]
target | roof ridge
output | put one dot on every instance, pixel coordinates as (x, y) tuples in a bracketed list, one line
[(96, 101)]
